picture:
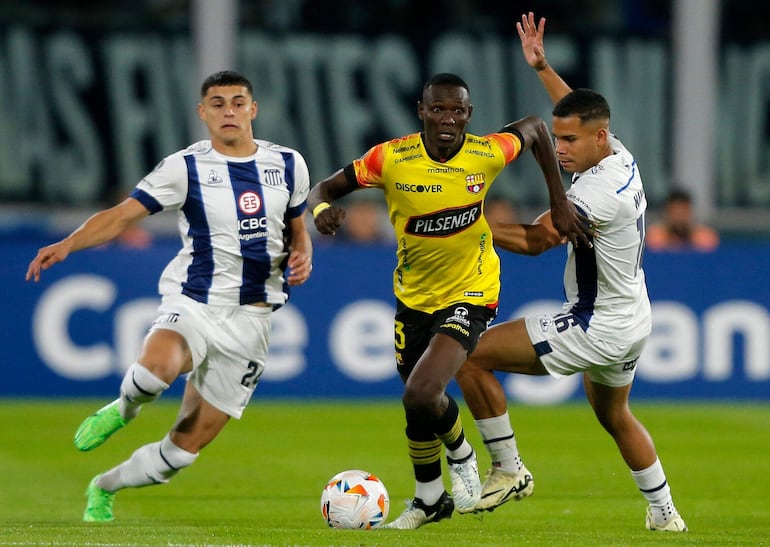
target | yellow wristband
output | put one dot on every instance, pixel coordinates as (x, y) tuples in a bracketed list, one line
[(320, 207)]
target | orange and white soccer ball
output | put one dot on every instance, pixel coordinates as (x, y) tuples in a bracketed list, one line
[(354, 499)]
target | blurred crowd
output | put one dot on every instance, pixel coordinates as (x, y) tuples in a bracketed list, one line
[(673, 225), (678, 229), (745, 20)]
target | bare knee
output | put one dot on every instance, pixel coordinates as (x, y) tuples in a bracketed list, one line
[(166, 354)]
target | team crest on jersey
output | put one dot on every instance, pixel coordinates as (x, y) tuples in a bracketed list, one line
[(249, 203), (475, 182), (214, 178), (273, 177)]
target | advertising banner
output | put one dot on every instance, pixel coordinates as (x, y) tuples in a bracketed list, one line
[(77, 330)]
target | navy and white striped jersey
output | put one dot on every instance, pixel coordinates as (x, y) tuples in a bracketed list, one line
[(233, 218), (605, 285)]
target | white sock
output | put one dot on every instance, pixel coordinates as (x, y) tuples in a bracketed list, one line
[(500, 441), (139, 386), (654, 487), (429, 492), (153, 463), (461, 452)]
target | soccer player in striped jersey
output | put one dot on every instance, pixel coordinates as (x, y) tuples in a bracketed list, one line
[(447, 280), (240, 203), (606, 319)]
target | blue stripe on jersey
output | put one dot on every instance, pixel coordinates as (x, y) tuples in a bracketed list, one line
[(252, 232), (288, 160), (149, 202), (628, 182), (288, 174), (587, 278), (201, 270), (291, 212)]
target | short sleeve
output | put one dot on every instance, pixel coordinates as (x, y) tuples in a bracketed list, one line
[(167, 182), (368, 168), (592, 199), (298, 198)]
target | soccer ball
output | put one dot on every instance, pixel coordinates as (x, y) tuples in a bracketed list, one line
[(354, 499)]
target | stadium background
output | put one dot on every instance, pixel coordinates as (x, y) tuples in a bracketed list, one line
[(95, 95)]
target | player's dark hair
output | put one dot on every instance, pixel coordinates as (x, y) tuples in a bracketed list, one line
[(225, 78), (679, 195), (586, 104), (445, 78)]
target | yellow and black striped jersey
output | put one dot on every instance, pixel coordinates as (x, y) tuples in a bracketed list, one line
[(445, 252)]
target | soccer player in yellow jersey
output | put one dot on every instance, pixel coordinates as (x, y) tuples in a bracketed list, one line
[(447, 279)]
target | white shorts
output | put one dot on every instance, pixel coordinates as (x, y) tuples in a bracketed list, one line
[(565, 348), (228, 344)]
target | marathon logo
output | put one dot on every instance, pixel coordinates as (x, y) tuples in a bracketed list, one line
[(444, 223), (458, 328)]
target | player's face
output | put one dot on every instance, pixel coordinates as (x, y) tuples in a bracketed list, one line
[(579, 146), (445, 111), (228, 112), (679, 215)]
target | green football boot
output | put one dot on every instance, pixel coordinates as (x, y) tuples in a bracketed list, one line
[(98, 427), (99, 508)]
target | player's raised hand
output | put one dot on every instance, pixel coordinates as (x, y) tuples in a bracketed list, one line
[(531, 36)]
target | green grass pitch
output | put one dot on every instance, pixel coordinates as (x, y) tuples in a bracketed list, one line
[(260, 482)]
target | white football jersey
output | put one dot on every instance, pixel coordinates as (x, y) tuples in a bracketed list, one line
[(233, 218), (605, 285)]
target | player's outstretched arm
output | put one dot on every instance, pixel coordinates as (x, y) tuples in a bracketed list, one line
[(531, 37), (100, 228), (527, 239)]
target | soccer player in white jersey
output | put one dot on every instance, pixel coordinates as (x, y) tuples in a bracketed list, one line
[(240, 203), (606, 320)]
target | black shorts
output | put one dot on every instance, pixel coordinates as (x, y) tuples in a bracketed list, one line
[(414, 329)]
